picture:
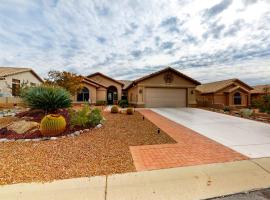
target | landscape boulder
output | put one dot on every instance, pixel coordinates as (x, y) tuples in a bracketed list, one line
[(23, 126)]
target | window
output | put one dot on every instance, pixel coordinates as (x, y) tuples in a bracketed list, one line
[(15, 87), (32, 84), (237, 98), (83, 95)]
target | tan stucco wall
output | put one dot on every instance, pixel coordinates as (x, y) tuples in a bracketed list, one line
[(101, 94), (23, 77), (133, 92), (107, 82), (158, 81)]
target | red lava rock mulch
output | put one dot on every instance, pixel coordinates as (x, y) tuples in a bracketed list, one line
[(191, 148), (99, 152)]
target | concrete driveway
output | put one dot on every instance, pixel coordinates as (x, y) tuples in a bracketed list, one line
[(245, 136)]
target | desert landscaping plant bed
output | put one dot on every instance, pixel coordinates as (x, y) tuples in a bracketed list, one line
[(98, 152)]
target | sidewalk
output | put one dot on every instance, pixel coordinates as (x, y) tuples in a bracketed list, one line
[(189, 183)]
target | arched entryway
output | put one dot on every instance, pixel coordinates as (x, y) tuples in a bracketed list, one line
[(112, 95), (83, 95)]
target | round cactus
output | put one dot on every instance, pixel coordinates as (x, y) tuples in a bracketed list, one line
[(52, 125)]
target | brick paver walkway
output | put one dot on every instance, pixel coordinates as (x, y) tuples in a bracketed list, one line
[(191, 148)]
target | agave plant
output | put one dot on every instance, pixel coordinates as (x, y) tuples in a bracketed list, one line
[(47, 98)]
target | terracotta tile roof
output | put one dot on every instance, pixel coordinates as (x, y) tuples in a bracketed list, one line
[(126, 83), (259, 89), (92, 82), (164, 70), (98, 73), (8, 71), (218, 85), (161, 71)]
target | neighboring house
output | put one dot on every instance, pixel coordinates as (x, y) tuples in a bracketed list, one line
[(12, 78), (99, 87), (259, 90), (231, 92), (165, 88)]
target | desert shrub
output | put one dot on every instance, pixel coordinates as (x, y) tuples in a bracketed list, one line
[(130, 111), (85, 117), (227, 109), (95, 117), (101, 103), (123, 103), (47, 98), (262, 103), (246, 112), (80, 117), (114, 109)]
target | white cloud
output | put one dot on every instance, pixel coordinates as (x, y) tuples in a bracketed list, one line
[(89, 36)]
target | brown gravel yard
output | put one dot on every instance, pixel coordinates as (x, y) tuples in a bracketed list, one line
[(99, 152)]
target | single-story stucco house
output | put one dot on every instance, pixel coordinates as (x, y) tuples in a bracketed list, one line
[(165, 88), (231, 92), (11, 78)]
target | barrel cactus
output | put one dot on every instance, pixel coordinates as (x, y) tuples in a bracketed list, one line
[(52, 125)]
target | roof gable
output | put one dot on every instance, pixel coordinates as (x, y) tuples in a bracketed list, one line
[(93, 83), (165, 70), (9, 71), (221, 85), (160, 72), (103, 75)]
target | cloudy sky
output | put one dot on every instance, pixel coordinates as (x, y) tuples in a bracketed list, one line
[(207, 40)]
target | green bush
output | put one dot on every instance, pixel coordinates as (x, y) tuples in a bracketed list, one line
[(130, 111), (85, 117), (80, 117), (246, 112), (95, 117), (123, 103), (101, 103), (262, 103), (47, 98), (227, 109), (114, 109)]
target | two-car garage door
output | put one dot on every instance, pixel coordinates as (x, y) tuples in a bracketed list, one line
[(165, 97)]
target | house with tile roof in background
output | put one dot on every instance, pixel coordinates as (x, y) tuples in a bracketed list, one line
[(259, 90), (231, 92), (11, 78)]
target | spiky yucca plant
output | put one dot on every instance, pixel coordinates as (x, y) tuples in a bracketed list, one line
[(52, 125), (47, 98)]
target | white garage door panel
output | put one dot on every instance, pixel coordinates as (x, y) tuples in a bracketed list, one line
[(165, 97)]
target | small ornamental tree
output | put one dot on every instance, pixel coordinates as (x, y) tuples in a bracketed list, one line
[(70, 81)]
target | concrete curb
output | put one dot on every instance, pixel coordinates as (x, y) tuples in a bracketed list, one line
[(195, 182)]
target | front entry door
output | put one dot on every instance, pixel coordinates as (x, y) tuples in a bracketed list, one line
[(110, 97)]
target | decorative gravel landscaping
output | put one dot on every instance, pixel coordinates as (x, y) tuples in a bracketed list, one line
[(97, 152)]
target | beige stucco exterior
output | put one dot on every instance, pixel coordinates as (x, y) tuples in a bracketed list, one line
[(107, 82), (183, 86), (24, 77), (137, 93), (98, 88)]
